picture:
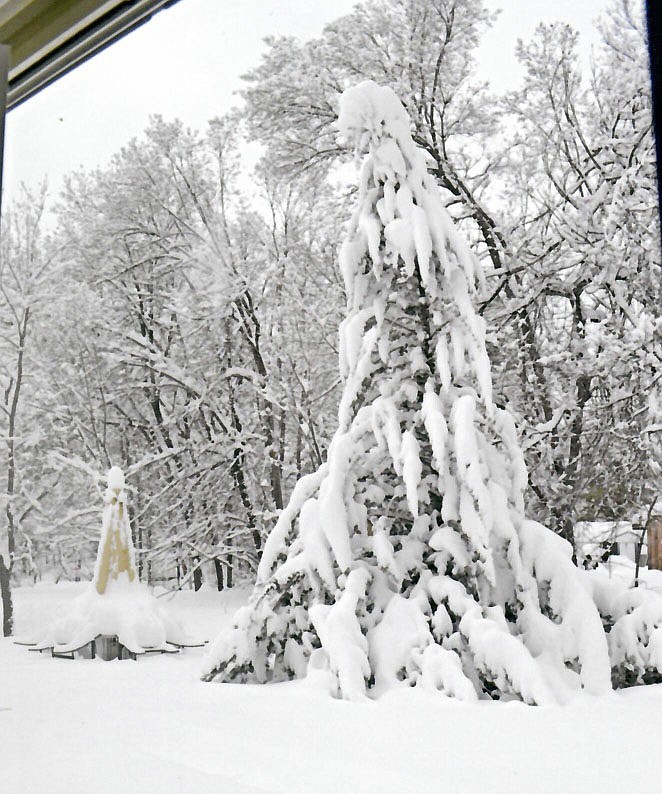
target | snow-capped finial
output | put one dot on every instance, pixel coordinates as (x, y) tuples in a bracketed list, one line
[(373, 109), (115, 478)]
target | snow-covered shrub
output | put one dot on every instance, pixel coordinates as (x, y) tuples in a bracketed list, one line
[(406, 559), (633, 621)]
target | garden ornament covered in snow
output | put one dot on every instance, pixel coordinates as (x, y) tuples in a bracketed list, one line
[(115, 603), (116, 555)]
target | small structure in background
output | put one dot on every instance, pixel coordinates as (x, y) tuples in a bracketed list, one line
[(596, 541), (116, 617), (654, 541)]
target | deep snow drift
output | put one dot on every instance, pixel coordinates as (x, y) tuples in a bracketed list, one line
[(151, 726)]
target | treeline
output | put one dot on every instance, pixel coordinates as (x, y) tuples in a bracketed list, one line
[(180, 321)]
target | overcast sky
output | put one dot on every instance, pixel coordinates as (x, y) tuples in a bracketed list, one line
[(187, 63)]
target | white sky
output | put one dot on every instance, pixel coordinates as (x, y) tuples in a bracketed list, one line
[(187, 62)]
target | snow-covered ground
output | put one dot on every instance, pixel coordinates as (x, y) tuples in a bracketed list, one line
[(151, 726)]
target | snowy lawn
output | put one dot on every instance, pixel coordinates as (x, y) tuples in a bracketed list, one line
[(151, 726)]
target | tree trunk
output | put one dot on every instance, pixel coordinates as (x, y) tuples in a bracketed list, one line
[(229, 576), (7, 604), (197, 575), (237, 469), (252, 330), (148, 563), (6, 567), (184, 570), (218, 568), (564, 526)]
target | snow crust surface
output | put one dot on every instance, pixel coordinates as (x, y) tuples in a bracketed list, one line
[(152, 727)]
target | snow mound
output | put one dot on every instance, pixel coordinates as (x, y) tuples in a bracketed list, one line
[(131, 613)]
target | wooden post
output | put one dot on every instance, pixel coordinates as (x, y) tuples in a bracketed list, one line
[(654, 540)]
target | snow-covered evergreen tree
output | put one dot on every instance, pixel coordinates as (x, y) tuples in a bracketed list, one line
[(407, 557)]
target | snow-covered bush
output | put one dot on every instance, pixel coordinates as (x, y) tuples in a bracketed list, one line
[(633, 619), (406, 559)]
